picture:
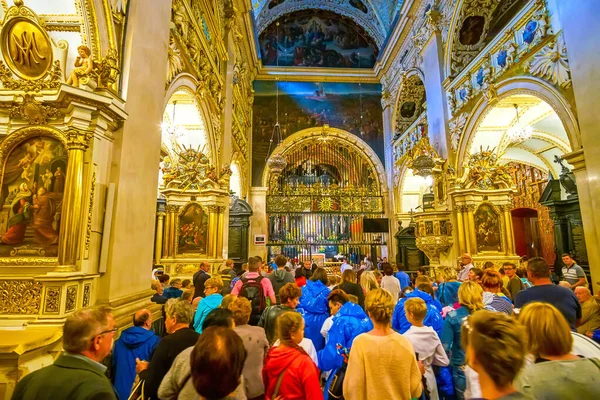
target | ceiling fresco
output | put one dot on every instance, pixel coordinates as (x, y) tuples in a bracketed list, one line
[(312, 38)]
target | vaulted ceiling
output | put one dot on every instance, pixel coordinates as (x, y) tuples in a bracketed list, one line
[(364, 27)]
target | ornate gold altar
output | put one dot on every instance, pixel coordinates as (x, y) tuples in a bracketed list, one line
[(190, 227), (483, 201)]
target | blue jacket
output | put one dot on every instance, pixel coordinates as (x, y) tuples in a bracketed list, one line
[(135, 342), (451, 336), (447, 293), (432, 319), (205, 306), (403, 278), (172, 293), (315, 310), (348, 323)]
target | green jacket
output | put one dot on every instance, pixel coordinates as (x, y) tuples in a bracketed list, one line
[(68, 378)]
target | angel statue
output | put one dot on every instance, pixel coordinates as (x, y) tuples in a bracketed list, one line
[(83, 66)]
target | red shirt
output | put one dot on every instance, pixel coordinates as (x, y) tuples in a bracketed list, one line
[(301, 378)]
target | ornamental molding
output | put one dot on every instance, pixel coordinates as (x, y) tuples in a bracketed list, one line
[(551, 63), (20, 297)]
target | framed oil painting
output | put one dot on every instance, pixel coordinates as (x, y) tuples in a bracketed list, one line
[(487, 227), (31, 194), (192, 230)]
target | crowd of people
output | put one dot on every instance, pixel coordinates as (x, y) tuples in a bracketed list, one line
[(286, 332)]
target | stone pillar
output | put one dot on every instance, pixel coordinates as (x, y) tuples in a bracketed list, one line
[(432, 65), (159, 237), (388, 134), (578, 21), (135, 159), (70, 232)]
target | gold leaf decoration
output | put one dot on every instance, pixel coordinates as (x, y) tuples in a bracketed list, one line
[(20, 297)]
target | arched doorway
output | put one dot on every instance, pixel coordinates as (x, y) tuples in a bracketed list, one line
[(328, 200), (527, 134)]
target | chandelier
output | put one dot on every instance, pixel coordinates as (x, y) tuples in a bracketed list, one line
[(519, 133), (276, 162), (170, 128)]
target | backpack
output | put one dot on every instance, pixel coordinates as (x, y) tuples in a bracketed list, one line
[(226, 278), (252, 289)]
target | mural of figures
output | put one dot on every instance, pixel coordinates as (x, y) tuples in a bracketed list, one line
[(348, 106), (317, 39), (487, 226), (193, 230), (33, 182)]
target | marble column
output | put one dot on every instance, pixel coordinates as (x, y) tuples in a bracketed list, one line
[(388, 134), (437, 111), (71, 221), (578, 20), (136, 156)]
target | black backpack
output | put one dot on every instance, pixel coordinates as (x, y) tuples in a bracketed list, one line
[(226, 278), (252, 290)]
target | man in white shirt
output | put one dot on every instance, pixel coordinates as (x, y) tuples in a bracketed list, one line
[(345, 265), (466, 263)]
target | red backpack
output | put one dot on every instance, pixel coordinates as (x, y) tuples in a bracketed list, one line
[(252, 289)]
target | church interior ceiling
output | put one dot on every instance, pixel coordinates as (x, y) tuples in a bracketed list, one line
[(353, 107)]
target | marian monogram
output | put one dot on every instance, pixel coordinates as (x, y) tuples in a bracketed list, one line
[(26, 48)]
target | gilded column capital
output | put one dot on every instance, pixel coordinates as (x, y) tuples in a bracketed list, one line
[(215, 209), (507, 207), (172, 208), (470, 207), (78, 139)]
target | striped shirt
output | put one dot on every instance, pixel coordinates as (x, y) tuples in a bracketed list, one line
[(493, 302), (573, 273)]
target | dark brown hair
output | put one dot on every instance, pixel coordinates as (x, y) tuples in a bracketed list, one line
[(319, 275), (280, 260), (217, 361), (349, 276), (426, 287), (338, 296), (538, 267), (387, 269)]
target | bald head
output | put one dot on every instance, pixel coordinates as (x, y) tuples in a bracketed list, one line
[(143, 319), (583, 294), (466, 259)]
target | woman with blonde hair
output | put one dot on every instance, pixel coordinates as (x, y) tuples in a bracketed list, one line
[(447, 292), (289, 372), (368, 282), (382, 363), (495, 349), (556, 373), (470, 297)]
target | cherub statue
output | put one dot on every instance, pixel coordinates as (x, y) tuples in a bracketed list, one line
[(83, 66)]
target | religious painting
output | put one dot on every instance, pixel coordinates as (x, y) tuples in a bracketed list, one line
[(317, 38), (487, 228), (359, 5), (193, 230), (471, 30), (31, 194), (353, 107), (408, 109)]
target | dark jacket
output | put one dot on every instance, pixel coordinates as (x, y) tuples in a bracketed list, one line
[(280, 278), (199, 278), (68, 378), (158, 299), (353, 289), (162, 359), (172, 292), (268, 319), (315, 310), (135, 342)]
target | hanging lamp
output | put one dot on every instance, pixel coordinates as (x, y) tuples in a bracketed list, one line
[(519, 133)]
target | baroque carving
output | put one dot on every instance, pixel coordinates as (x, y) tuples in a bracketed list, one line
[(189, 169), (20, 297), (33, 111), (456, 128), (86, 294), (52, 305), (71, 298), (551, 63), (175, 60), (484, 172), (78, 139), (88, 231), (410, 103)]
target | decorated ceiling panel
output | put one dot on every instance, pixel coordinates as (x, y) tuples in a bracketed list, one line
[(374, 16), (317, 39)]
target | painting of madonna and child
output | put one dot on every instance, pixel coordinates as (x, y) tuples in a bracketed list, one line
[(312, 38), (31, 193)]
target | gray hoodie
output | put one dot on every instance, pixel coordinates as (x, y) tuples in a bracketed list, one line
[(280, 278)]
